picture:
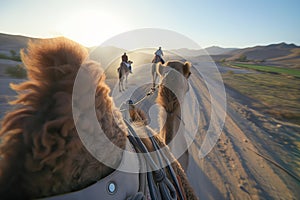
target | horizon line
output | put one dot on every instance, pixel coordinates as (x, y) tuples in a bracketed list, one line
[(93, 46)]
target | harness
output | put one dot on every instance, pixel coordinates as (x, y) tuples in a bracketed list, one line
[(157, 59)]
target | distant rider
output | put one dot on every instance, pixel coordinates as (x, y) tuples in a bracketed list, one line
[(159, 53), (125, 61)]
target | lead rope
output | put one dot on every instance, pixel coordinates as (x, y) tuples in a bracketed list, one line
[(170, 169), (152, 90), (160, 187), (163, 188)]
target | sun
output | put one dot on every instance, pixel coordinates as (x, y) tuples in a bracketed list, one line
[(91, 27)]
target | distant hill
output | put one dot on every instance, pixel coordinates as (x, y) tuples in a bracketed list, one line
[(277, 54), (264, 52), (215, 50), (282, 54), (189, 52), (12, 42)]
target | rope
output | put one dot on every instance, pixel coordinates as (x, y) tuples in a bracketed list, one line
[(147, 95), (142, 99), (160, 187)]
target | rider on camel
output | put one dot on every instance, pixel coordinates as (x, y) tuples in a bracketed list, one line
[(125, 61), (159, 53)]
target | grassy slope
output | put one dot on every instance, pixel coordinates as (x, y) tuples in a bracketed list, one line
[(277, 95), (271, 69)]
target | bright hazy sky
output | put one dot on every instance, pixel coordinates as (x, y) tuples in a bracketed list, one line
[(226, 23)]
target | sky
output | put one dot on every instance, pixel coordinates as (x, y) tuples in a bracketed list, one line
[(225, 23)]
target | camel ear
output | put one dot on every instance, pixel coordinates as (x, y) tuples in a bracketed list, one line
[(187, 69)]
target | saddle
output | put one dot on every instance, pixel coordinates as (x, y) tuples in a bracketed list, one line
[(157, 59), (127, 66)]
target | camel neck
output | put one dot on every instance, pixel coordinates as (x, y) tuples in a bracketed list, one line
[(104, 134), (114, 129), (171, 124)]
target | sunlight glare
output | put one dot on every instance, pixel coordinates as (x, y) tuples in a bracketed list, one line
[(91, 27)]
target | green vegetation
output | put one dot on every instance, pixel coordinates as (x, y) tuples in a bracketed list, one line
[(269, 69), (242, 58), (275, 94), (17, 72), (229, 72), (3, 56), (13, 56)]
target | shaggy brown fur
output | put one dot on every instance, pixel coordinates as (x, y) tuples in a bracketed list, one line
[(137, 115), (41, 152), (171, 112)]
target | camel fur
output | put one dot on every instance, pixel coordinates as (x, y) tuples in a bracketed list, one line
[(137, 115), (170, 97), (156, 60)]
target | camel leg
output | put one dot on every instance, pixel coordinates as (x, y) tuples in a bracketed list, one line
[(153, 74), (122, 84), (154, 79)]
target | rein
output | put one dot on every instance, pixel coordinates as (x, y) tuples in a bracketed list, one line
[(151, 92)]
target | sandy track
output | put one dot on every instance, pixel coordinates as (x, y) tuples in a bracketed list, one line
[(233, 170)]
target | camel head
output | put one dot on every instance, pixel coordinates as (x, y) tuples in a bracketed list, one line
[(182, 68), (174, 80)]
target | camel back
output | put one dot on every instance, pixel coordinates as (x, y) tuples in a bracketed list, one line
[(156, 59)]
